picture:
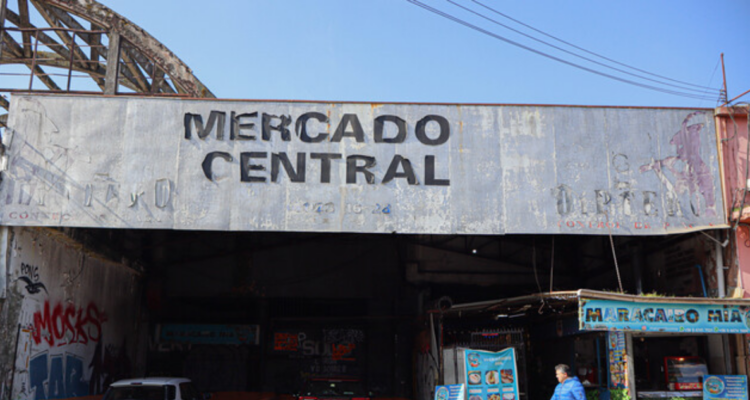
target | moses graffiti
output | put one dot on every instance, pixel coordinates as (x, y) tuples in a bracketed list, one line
[(63, 325)]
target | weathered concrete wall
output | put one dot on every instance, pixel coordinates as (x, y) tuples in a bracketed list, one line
[(354, 167), (69, 321)]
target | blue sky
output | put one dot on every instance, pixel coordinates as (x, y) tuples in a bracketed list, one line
[(394, 51)]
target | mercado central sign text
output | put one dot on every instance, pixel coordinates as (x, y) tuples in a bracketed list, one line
[(356, 167)]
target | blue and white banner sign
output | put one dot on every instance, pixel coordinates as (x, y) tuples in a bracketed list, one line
[(491, 375), (607, 315), (450, 392), (725, 387)]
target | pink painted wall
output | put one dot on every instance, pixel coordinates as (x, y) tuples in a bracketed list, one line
[(733, 129)]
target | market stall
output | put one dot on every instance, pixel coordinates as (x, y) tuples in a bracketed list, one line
[(620, 346)]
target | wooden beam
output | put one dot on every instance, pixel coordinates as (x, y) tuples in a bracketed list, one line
[(23, 11), (51, 19), (43, 37), (96, 43), (49, 59), (11, 46), (136, 75), (3, 7), (42, 76), (182, 77), (95, 70), (113, 64)]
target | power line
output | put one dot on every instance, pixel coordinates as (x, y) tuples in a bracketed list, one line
[(498, 37), (712, 78), (701, 91), (590, 52)]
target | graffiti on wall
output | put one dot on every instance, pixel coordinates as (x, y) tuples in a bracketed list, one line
[(58, 353), (30, 276), (65, 325), (684, 190), (61, 349), (688, 170)]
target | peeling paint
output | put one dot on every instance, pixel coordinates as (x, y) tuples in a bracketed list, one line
[(357, 167)]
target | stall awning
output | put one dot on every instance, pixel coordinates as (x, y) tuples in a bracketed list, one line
[(606, 311)]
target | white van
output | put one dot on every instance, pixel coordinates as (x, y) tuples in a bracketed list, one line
[(153, 389)]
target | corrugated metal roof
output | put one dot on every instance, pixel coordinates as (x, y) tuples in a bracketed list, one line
[(574, 295)]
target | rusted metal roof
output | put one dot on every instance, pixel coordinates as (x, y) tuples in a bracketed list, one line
[(572, 297)]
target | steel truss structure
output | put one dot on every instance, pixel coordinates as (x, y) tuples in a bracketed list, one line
[(73, 39)]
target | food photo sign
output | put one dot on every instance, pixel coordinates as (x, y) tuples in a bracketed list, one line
[(491, 375)]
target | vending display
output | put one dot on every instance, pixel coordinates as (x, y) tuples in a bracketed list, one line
[(684, 373)]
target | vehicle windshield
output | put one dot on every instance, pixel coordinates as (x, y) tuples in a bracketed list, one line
[(334, 388), (135, 393)]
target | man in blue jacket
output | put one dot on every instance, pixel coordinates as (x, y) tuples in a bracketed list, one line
[(570, 387)]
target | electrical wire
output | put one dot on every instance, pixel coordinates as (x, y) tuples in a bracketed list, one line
[(533, 263), (614, 254), (501, 38), (590, 52), (552, 265), (722, 94), (702, 89)]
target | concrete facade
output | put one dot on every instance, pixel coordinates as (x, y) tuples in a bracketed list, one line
[(70, 320)]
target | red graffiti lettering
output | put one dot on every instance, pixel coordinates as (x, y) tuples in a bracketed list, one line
[(342, 350), (67, 325)]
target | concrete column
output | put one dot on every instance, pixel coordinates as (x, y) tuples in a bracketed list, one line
[(629, 352)]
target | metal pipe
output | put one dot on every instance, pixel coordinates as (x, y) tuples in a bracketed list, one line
[(636, 257), (720, 268), (703, 280), (724, 74)]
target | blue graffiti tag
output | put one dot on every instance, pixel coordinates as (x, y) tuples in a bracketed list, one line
[(51, 379)]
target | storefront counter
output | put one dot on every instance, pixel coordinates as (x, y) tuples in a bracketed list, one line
[(671, 394)]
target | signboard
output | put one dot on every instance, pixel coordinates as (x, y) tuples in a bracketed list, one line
[(450, 392), (152, 163), (597, 315), (618, 365), (725, 387), (339, 352), (209, 334), (491, 375)]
